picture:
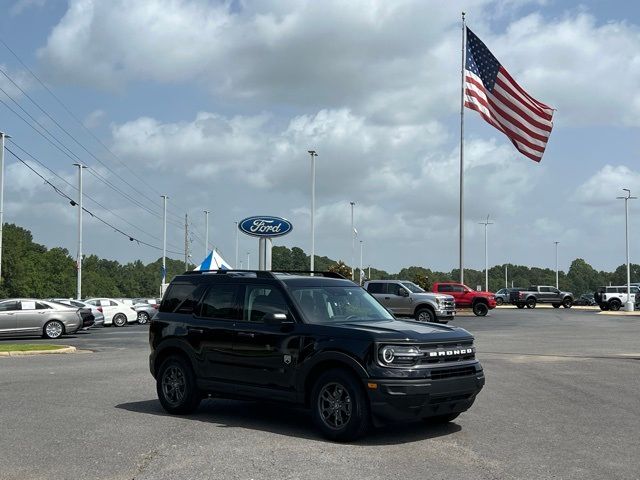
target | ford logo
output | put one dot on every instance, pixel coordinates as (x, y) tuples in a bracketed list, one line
[(265, 226)]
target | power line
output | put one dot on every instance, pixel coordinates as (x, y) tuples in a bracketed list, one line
[(73, 202), (71, 114)]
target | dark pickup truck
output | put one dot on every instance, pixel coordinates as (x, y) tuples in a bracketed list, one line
[(541, 294)]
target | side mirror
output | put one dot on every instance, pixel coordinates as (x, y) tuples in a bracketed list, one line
[(404, 293), (277, 319)]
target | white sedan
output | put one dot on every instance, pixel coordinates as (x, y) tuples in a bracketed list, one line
[(115, 313)]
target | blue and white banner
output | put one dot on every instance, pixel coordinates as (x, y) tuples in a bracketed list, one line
[(213, 262)]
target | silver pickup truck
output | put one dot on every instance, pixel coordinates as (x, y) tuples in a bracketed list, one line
[(406, 299)]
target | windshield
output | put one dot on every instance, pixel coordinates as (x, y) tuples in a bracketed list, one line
[(412, 287), (337, 304)]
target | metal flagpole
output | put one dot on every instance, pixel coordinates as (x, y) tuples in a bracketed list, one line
[(79, 258), (461, 241), (206, 233), (353, 240), (164, 243), (313, 207)]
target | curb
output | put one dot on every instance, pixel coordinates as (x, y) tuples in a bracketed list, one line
[(38, 352), (621, 313)]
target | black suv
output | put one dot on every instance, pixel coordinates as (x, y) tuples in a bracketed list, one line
[(320, 341)]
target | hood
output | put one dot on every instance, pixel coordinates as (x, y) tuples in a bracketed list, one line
[(407, 331), (432, 295)]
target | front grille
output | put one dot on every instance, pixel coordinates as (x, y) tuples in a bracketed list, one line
[(447, 353), (449, 305), (452, 372)]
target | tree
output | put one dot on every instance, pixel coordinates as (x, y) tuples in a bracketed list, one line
[(341, 268)]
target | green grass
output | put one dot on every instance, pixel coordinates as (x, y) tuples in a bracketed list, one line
[(28, 347)]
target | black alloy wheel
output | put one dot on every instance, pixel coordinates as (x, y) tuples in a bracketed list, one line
[(143, 317), (339, 405), (119, 320), (567, 302), (531, 303), (176, 386), (480, 309), (615, 304), (556, 305), (425, 315)]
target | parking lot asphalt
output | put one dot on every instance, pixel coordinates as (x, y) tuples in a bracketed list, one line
[(561, 402)]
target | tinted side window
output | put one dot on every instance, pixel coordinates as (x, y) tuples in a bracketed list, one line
[(42, 306), (260, 300), (220, 302), (6, 306), (456, 288), (445, 288), (393, 289), (375, 287), (177, 295)]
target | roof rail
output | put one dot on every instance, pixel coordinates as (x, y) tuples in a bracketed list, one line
[(327, 274), (266, 273)]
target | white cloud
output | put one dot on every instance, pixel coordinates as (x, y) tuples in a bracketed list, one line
[(22, 5), (94, 119), (602, 188)]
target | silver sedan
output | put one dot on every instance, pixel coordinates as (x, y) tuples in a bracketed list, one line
[(26, 316)]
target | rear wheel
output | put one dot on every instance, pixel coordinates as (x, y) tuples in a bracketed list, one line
[(53, 329), (480, 309), (499, 301), (143, 317), (119, 320), (604, 307), (520, 305), (339, 406), (176, 386), (531, 303), (425, 315), (556, 305), (615, 304)]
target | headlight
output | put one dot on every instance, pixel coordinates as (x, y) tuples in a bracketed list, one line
[(399, 355)]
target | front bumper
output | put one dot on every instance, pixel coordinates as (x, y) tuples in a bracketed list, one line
[(413, 399), (446, 314)]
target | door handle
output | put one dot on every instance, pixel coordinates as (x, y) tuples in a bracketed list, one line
[(195, 330), (387, 298), (11, 313), (246, 334)]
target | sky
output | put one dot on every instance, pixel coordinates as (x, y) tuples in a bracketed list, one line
[(216, 104)]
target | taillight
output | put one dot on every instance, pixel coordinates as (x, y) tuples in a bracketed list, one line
[(100, 309)]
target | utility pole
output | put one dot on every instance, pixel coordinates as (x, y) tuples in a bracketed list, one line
[(79, 257), (2, 137), (629, 304), (486, 223), (206, 233), (186, 241), (164, 243), (313, 207), (353, 240), (557, 282), (237, 244)]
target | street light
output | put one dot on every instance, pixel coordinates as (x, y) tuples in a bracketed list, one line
[(629, 305), (313, 206), (361, 271), (164, 244), (353, 239), (486, 223), (557, 283)]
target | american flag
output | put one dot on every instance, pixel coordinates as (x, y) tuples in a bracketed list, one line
[(495, 95)]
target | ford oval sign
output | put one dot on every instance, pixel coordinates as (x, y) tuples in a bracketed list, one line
[(265, 226)]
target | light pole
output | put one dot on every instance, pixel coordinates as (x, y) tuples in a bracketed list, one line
[(557, 283), (2, 137), (164, 242), (486, 223), (629, 304), (237, 244), (206, 233), (248, 264), (79, 258), (360, 272), (313, 206), (353, 239), (506, 275)]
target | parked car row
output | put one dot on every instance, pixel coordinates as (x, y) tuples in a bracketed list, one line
[(54, 317)]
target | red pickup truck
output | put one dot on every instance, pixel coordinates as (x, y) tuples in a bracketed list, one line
[(480, 302)]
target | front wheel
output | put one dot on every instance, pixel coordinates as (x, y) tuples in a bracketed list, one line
[(567, 302), (340, 408), (480, 309), (119, 320), (53, 329), (143, 317), (615, 305), (499, 301), (176, 386), (425, 315)]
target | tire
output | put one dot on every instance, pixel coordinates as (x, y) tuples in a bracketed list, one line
[(480, 309), (119, 320), (556, 305), (143, 318), (440, 419), (567, 302), (53, 329), (520, 305), (176, 386), (604, 307), (425, 315), (339, 406), (531, 302), (615, 304), (499, 301)]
